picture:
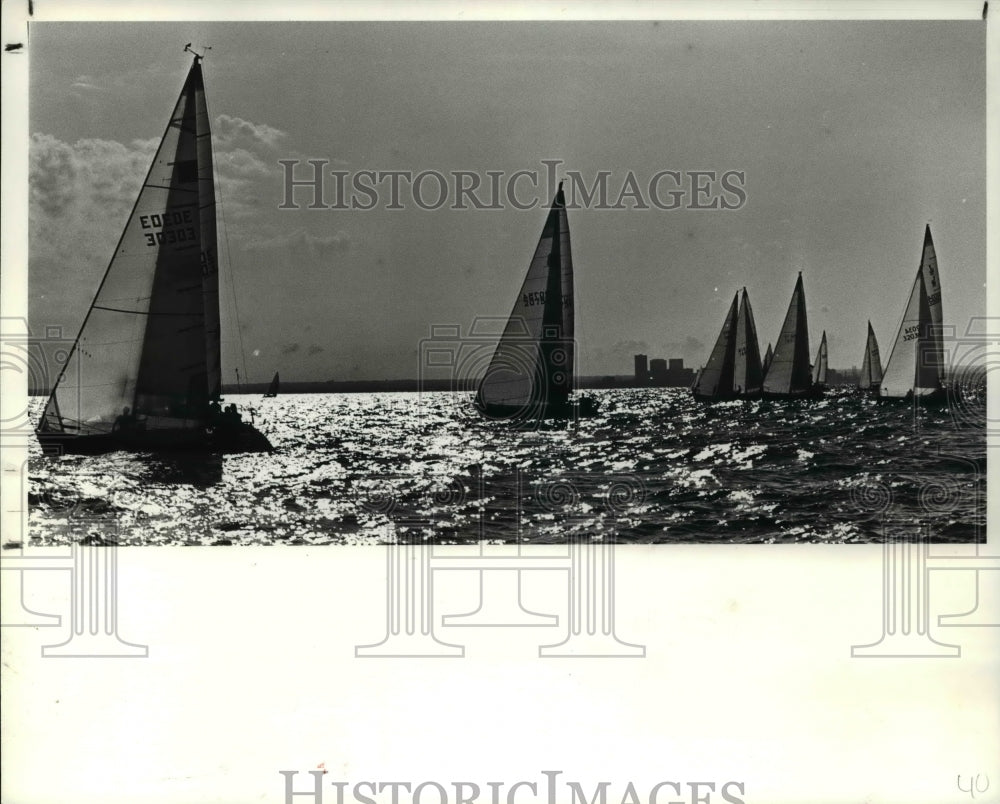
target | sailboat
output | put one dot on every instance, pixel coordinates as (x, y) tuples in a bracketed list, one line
[(145, 370), (788, 373), (531, 373), (733, 369), (272, 389), (916, 362), (871, 368), (748, 373), (715, 380), (767, 359), (819, 367)]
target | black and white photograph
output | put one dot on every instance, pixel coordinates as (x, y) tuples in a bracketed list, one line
[(454, 403), (361, 282)]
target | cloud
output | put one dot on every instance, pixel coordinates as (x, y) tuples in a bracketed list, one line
[(235, 132), (691, 344), (84, 82), (289, 348), (300, 239), (314, 350), (80, 195)]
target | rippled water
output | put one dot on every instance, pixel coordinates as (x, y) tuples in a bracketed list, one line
[(653, 466)]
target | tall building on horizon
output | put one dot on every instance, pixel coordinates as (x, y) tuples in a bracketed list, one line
[(641, 371)]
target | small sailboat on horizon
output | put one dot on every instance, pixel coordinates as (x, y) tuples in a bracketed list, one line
[(767, 359), (916, 363), (144, 372), (789, 374), (871, 367), (272, 389), (820, 366), (531, 374)]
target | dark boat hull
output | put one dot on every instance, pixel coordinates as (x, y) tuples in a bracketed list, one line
[(244, 438), (811, 393), (582, 409), (728, 398), (936, 397)]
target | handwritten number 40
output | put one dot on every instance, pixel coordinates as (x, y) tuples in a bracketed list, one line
[(974, 785)]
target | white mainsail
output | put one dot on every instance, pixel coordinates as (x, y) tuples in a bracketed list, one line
[(820, 366), (916, 362), (150, 341), (788, 372), (716, 378), (747, 372), (911, 367), (871, 368), (534, 361)]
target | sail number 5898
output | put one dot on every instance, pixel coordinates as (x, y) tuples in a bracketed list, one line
[(538, 297)]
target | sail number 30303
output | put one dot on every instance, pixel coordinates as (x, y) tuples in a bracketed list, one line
[(171, 227), (538, 297)]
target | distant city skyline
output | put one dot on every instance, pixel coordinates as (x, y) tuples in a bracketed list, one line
[(849, 136)]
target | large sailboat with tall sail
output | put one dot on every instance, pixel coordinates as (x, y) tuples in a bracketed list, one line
[(916, 362), (871, 366), (820, 366), (531, 374), (733, 369), (272, 389), (748, 374), (145, 370), (715, 379), (789, 374)]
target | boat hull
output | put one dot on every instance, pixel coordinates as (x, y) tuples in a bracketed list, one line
[(811, 393), (939, 396), (581, 409), (727, 398), (244, 438)]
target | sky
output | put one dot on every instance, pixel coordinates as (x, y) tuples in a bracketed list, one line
[(850, 138)]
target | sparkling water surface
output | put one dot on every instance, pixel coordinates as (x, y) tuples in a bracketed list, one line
[(653, 466)]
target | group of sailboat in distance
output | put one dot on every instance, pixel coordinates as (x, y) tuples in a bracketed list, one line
[(735, 371), (915, 368)]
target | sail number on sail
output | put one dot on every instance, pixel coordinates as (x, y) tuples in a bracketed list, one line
[(538, 297), (208, 261), (173, 227), (911, 332)]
